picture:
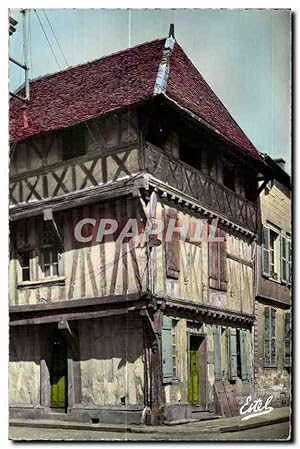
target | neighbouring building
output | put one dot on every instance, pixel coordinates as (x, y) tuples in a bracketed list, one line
[(273, 337), (117, 331)]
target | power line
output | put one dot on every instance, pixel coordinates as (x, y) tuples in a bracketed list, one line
[(58, 44), (52, 51)]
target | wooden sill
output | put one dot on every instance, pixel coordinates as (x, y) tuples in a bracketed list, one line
[(55, 280)]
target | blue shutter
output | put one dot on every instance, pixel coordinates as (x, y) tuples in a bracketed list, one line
[(217, 351), (232, 374), (166, 350), (244, 355), (283, 256), (265, 251)]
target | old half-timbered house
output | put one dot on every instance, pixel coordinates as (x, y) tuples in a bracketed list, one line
[(116, 330), (272, 329)]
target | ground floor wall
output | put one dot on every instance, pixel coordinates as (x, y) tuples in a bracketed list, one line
[(108, 373), (206, 358), (273, 352)]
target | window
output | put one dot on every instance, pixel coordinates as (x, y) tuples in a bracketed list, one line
[(51, 250), (228, 178), (238, 355), (217, 258), (25, 265), (73, 142), (174, 356), (50, 261), (274, 257), (270, 337), (286, 259)]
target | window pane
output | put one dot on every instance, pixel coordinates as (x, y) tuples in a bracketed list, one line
[(54, 255), (25, 274), (46, 255), (55, 270), (47, 270)]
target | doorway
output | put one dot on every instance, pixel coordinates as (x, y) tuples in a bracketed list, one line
[(59, 375), (197, 372)]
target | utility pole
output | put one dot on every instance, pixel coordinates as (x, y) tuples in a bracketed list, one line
[(23, 65)]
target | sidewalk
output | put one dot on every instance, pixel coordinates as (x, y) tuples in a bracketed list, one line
[(278, 415)]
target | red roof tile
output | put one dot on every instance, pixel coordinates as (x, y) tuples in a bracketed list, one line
[(125, 78), (87, 91)]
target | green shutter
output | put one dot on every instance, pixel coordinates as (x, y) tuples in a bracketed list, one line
[(287, 338), (283, 255), (267, 337), (273, 337), (244, 356), (217, 352), (266, 251), (166, 350), (289, 260), (232, 355)]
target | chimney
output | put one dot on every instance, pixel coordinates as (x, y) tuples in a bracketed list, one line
[(280, 162)]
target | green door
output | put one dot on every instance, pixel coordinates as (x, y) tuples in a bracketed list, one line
[(193, 381), (58, 375)]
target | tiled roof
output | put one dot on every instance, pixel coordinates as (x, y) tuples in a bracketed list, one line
[(116, 81)]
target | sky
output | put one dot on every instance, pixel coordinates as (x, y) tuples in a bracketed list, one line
[(244, 55)]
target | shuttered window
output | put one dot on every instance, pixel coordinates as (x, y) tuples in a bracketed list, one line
[(270, 337), (232, 351), (289, 260), (172, 247), (167, 350), (217, 260), (284, 260), (287, 338), (217, 353), (266, 251)]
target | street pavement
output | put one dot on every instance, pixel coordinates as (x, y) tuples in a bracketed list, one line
[(272, 432)]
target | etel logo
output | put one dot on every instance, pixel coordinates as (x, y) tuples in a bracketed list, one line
[(255, 408)]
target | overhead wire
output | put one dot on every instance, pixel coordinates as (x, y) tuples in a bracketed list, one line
[(55, 37), (49, 43)]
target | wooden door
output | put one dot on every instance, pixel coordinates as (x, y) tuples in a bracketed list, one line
[(58, 375)]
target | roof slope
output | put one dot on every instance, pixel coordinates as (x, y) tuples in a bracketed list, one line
[(87, 91), (125, 78)]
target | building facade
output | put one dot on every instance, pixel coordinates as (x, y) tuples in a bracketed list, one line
[(273, 294), (115, 330)]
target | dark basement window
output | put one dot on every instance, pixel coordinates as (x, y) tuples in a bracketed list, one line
[(73, 142)]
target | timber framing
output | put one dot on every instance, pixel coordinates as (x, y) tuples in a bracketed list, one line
[(172, 194), (72, 200), (198, 312), (77, 309)]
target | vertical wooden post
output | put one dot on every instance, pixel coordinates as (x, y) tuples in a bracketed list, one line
[(157, 394)]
